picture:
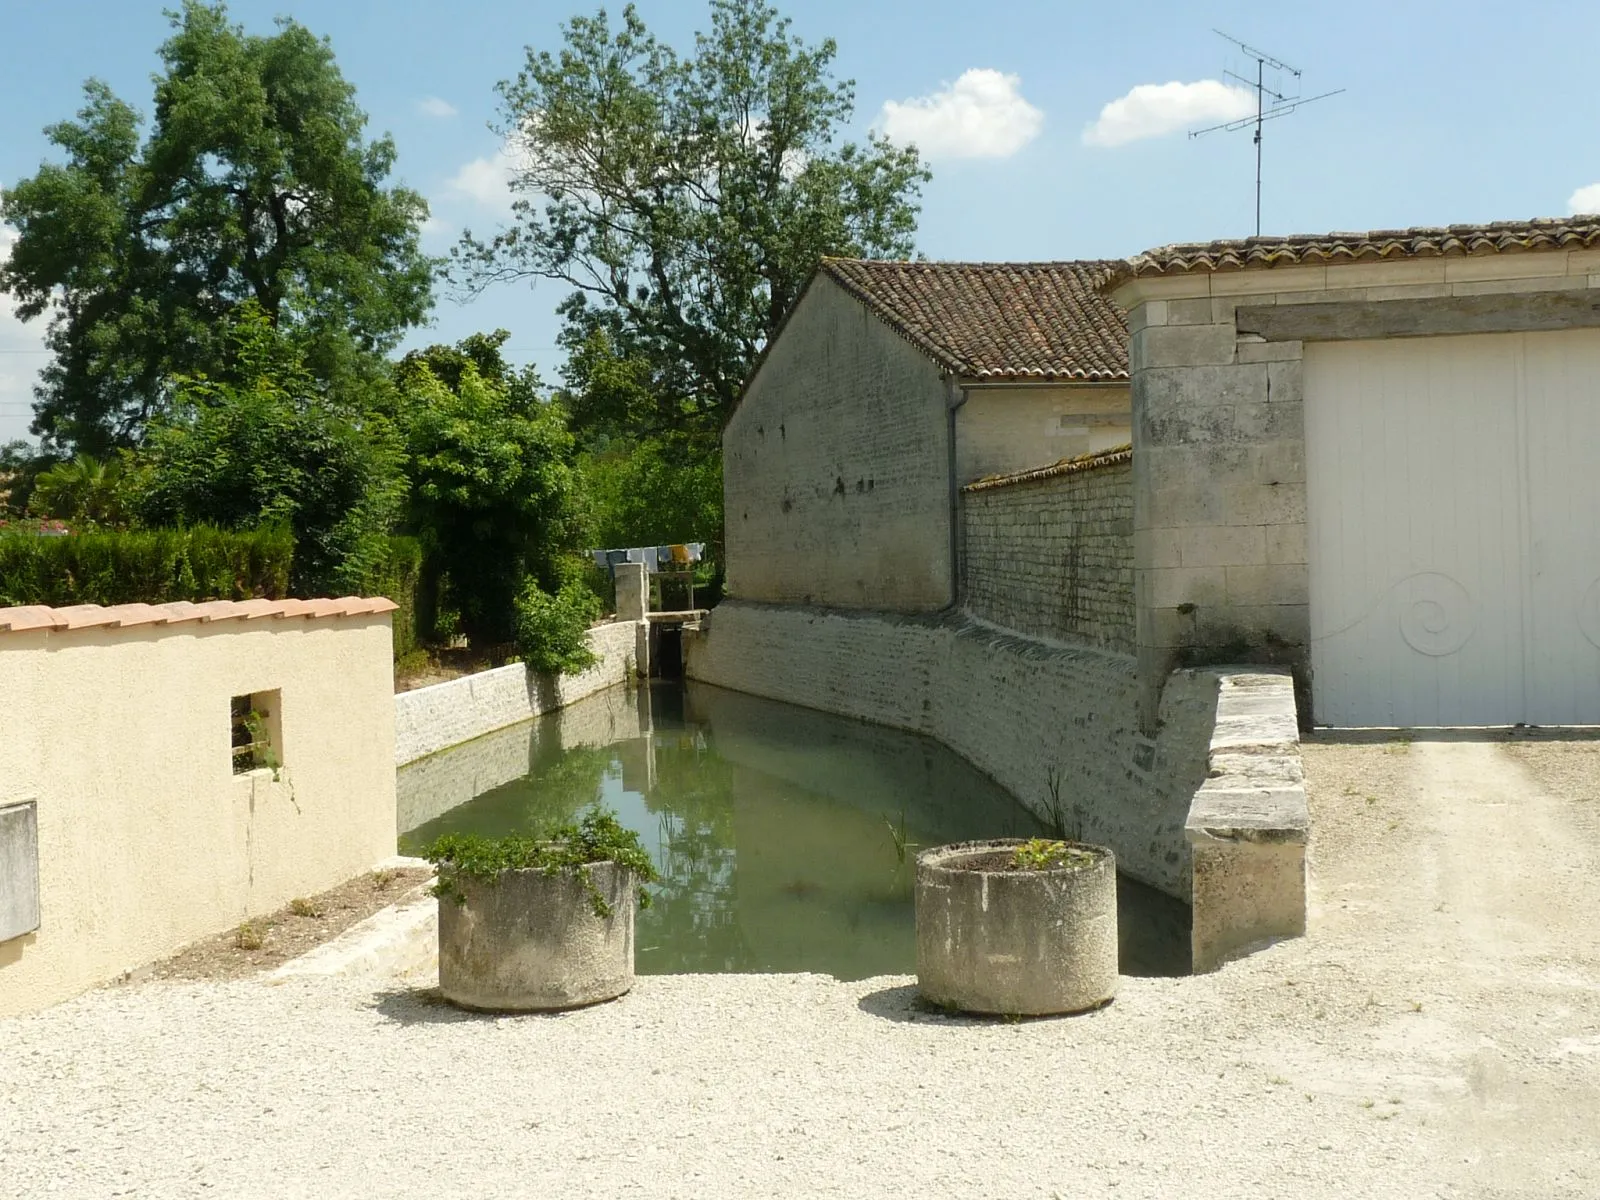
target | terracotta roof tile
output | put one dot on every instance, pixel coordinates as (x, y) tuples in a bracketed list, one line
[(87, 616), (1067, 466), (998, 321), (1501, 237)]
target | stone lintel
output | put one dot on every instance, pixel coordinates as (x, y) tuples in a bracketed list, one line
[(1524, 312)]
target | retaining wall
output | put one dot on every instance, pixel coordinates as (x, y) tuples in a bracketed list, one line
[(1050, 552), (431, 719), (1025, 712)]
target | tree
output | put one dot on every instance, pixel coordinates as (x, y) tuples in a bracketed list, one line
[(271, 449), (84, 488), (255, 183), (688, 201), (491, 480)]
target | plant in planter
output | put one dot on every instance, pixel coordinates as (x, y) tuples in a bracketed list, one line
[(536, 923), (1019, 927)]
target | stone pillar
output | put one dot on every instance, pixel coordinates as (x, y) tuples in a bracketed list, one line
[(1219, 508), (633, 604)]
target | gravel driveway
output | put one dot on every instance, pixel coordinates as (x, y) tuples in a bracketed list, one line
[(1437, 1035)]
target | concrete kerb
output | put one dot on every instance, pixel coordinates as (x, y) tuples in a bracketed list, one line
[(1249, 821), (396, 940)]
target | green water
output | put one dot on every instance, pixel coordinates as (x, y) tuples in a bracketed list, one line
[(774, 828)]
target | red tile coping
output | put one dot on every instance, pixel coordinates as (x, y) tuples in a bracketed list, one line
[(122, 616), (1067, 466)]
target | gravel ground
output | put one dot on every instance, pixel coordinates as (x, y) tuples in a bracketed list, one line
[(1438, 1035)]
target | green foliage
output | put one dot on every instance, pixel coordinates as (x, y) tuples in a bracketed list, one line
[(83, 489), (568, 849), (650, 493), (274, 449), (256, 182), (492, 489), (20, 468), (687, 200), (1046, 854), (395, 571), (552, 631), (155, 566)]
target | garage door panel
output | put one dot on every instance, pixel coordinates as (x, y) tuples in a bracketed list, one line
[(1411, 506), (1453, 515), (1561, 390)]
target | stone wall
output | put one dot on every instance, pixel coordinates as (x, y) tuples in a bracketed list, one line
[(1054, 725), (1050, 552), (1015, 426), (836, 467), (431, 719), (1221, 570)]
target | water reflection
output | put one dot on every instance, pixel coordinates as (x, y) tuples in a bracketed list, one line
[(774, 828)]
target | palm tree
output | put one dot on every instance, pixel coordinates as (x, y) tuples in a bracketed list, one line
[(84, 488)]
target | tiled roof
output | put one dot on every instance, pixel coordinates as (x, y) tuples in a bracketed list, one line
[(1503, 237), (999, 321), (121, 616), (1067, 466)]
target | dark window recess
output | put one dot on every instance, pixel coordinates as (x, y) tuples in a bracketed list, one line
[(254, 721)]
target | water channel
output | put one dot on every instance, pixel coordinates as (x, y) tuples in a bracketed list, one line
[(775, 828)]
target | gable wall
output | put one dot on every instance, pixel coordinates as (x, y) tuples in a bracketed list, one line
[(836, 467), (1016, 427)]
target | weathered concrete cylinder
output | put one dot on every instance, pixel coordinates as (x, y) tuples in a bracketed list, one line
[(1021, 943), (532, 942)]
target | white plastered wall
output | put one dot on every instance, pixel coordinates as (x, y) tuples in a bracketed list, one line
[(1016, 427), (147, 840)]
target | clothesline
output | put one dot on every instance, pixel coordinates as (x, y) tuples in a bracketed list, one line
[(655, 558)]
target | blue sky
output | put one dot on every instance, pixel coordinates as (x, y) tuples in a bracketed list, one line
[(1452, 112)]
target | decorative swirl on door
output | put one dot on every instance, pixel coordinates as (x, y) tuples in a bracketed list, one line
[(1435, 613)]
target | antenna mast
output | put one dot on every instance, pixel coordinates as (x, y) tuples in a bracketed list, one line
[(1282, 104)]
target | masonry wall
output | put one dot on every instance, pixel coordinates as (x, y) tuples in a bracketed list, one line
[(1015, 427), (1050, 553), (1221, 563), (1024, 712), (434, 718), (836, 467), (147, 840)]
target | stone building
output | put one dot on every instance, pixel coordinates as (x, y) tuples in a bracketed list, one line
[(891, 385)]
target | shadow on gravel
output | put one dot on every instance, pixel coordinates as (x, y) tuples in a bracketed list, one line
[(427, 1006), (904, 1005)]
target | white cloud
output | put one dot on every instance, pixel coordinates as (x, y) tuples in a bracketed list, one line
[(1153, 109), (21, 357), (433, 106), (433, 227), (487, 181), (980, 115), (1585, 200)]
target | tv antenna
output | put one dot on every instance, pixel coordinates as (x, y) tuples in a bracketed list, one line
[(1281, 104)]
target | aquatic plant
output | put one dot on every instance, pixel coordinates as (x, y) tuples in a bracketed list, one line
[(567, 850)]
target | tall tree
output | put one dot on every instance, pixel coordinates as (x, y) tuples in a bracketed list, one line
[(256, 183), (686, 200)]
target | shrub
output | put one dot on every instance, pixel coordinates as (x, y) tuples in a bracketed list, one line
[(395, 571), (150, 566), (552, 631)]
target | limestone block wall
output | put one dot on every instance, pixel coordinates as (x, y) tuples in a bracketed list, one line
[(1050, 552), (433, 718), (1221, 570), (1028, 714), (836, 467), (117, 723)]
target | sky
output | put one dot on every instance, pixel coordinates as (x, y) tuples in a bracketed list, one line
[(1054, 128)]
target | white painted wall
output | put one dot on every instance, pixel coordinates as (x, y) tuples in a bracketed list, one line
[(1022, 426)]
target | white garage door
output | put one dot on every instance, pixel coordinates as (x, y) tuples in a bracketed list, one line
[(1453, 508)]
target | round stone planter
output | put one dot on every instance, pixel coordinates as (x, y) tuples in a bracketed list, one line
[(1019, 943), (531, 942)]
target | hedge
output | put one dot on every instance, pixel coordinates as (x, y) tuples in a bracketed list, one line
[(151, 566)]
